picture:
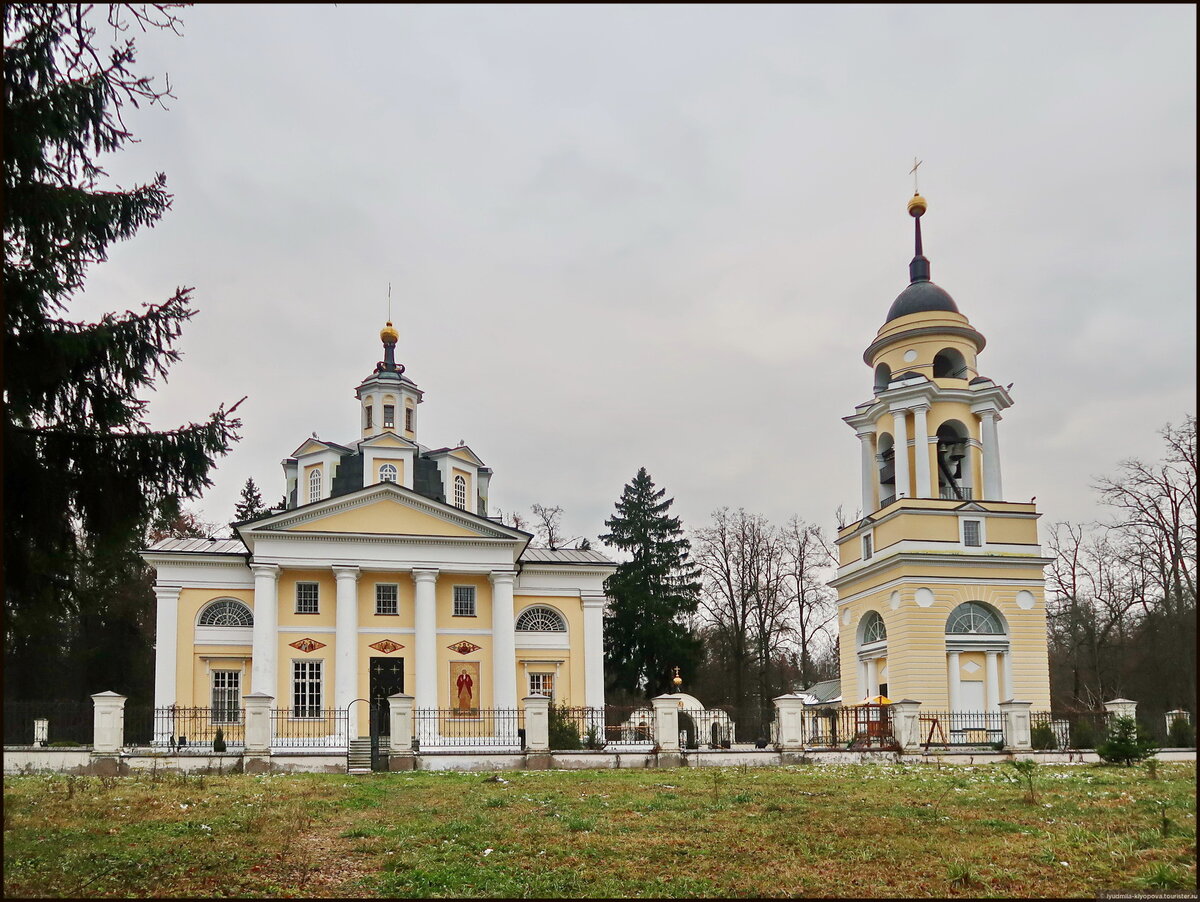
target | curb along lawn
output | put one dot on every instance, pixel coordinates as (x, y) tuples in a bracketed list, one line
[(839, 830)]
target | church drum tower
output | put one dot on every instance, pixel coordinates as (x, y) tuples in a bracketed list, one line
[(940, 584)]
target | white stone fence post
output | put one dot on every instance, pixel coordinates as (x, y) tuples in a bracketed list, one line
[(906, 724), (1018, 730), (1121, 707), (108, 723), (666, 722), (537, 723), (258, 723), (400, 720), (789, 713)]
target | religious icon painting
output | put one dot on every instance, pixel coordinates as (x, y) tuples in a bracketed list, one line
[(464, 688)]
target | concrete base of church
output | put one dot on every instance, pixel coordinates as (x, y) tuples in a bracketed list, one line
[(402, 762)]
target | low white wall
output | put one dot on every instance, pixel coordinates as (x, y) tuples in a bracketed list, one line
[(66, 761), (728, 758), (481, 762), (601, 760)]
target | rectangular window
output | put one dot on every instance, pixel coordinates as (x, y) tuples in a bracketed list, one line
[(389, 416), (370, 416), (226, 696), (408, 418), (306, 688), (971, 532), (464, 601), (386, 598), (307, 598), (542, 684), (866, 548)]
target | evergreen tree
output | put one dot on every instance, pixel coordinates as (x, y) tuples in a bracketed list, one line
[(84, 475), (646, 632), (251, 503)]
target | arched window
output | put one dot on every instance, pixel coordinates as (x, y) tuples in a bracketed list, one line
[(974, 618), (541, 620), (874, 629), (883, 375), (460, 492), (314, 485), (953, 461), (949, 363), (387, 473), (226, 612)]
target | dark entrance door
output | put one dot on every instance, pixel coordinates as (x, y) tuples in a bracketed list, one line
[(387, 678)]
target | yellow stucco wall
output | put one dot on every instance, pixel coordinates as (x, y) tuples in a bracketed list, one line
[(386, 516), (570, 688), (927, 347), (396, 462)]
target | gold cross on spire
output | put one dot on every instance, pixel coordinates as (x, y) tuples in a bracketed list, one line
[(913, 173), (390, 297)]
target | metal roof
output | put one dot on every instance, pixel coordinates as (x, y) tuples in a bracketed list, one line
[(200, 546), (825, 691), (533, 555)]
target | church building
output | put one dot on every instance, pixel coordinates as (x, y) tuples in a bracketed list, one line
[(383, 574), (940, 584)]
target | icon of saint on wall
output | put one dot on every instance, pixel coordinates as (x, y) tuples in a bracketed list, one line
[(464, 687)]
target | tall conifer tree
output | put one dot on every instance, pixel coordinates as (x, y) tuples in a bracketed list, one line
[(646, 630), (250, 505), (83, 475)]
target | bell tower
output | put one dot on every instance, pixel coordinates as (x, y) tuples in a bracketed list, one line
[(389, 398), (940, 583)]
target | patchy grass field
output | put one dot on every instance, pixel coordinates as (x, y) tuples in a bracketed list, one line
[(870, 830)]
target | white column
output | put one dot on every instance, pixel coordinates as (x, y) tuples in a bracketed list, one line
[(425, 622), (166, 642), (593, 651), (992, 672), (1010, 693), (862, 679), (504, 641), (921, 451), (345, 645), (869, 470), (990, 439), (900, 432), (263, 676), (955, 681), (872, 677)]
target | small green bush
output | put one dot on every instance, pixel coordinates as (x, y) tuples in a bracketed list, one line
[(65, 744), (219, 741), (1182, 734), (1127, 743), (564, 732), (1082, 735), (1042, 737)]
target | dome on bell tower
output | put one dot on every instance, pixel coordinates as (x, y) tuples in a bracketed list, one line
[(921, 296)]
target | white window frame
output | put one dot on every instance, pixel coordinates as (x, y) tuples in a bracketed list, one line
[(316, 597), (460, 491), (868, 546), (464, 601), (370, 412), (410, 416), (304, 682), (384, 476), (962, 530), (225, 713), (389, 416), (314, 485), (562, 620), (379, 600), (540, 676)]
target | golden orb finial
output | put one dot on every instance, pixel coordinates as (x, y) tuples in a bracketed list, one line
[(916, 205), (388, 333), (678, 680)]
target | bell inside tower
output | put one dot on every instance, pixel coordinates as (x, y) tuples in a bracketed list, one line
[(954, 478)]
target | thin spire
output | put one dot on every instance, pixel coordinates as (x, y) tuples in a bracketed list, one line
[(918, 269), (389, 319)]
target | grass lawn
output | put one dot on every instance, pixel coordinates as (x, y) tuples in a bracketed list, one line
[(868, 830)]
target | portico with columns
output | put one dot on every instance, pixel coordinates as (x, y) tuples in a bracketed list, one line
[(383, 574), (940, 581)]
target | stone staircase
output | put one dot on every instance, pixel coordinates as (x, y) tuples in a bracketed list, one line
[(359, 759)]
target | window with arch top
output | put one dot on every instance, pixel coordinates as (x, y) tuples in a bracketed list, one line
[(387, 473), (541, 620), (874, 629), (314, 485), (949, 363), (226, 612), (460, 492), (974, 618)]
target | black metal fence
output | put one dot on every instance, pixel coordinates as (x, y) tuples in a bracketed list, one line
[(575, 728), (1068, 729), (706, 728), (67, 722), (501, 729), (851, 727), (325, 728), (962, 728), (628, 726)]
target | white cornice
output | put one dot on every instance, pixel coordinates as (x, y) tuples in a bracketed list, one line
[(940, 581), (958, 560)]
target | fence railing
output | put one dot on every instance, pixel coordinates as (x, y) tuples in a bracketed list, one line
[(628, 726), (474, 728), (66, 722), (707, 728), (852, 727), (575, 728), (961, 728), (1068, 729), (316, 728)]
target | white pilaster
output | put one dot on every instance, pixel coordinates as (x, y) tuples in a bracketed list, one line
[(166, 641), (593, 650), (992, 672), (263, 675), (425, 623), (504, 641), (921, 451), (900, 433), (862, 679), (1009, 691), (990, 439), (345, 645), (872, 677), (955, 680), (869, 470)]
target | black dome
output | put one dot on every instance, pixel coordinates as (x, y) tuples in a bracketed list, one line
[(921, 297)]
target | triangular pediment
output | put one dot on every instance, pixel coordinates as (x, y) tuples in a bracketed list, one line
[(462, 452), (315, 444), (387, 440), (385, 509), (972, 506)]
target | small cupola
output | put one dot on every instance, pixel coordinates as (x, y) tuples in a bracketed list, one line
[(389, 398)]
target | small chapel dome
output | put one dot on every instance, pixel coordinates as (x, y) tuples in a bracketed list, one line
[(921, 297), (388, 333)]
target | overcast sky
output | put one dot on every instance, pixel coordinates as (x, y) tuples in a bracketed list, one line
[(663, 236)]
